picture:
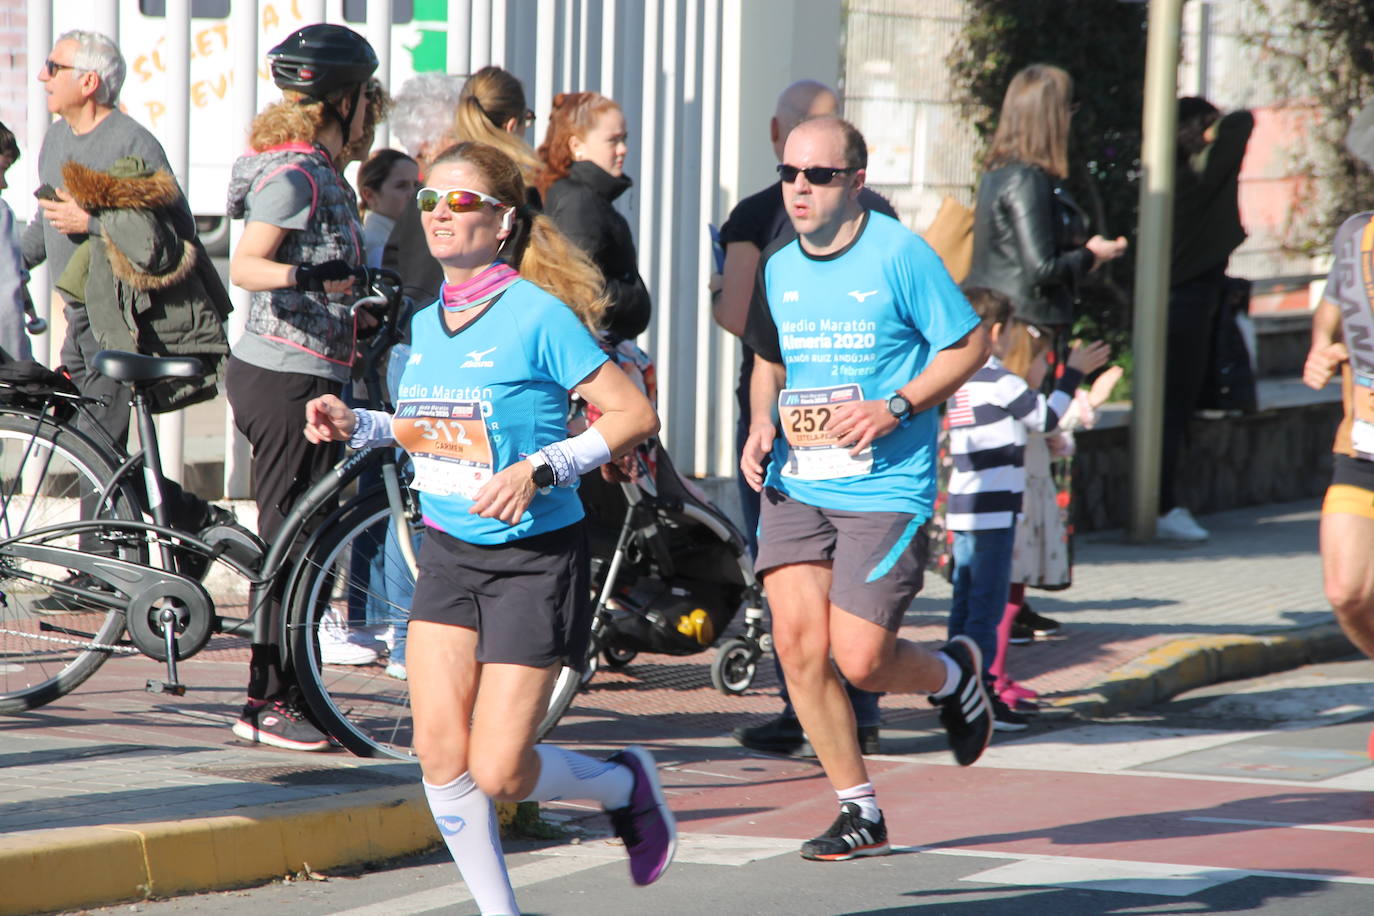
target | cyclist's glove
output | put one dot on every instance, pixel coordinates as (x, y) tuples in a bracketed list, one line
[(311, 277)]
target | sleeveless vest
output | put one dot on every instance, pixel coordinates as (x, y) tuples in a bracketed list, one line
[(317, 323)]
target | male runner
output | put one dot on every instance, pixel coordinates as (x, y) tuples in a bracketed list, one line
[(858, 335)]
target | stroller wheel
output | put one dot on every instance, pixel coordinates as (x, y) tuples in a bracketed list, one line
[(619, 657), (735, 666)]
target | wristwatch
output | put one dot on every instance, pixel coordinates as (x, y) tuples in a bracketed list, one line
[(899, 406), (543, 471)]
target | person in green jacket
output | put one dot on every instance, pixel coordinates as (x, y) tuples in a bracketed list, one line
[(145, 280), (146, 285)]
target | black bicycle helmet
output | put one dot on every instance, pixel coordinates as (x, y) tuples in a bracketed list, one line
[(320, 59)]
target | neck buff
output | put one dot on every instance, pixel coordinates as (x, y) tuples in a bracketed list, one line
[(479, 290)]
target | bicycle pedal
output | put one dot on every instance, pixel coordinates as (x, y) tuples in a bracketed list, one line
[(156, 686)]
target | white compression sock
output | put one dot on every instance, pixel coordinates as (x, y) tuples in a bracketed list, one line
[(952, 675), (567, 774), (861, 795), (467, 822)]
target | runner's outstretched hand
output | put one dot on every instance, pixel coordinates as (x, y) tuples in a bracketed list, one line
[(328, 419)]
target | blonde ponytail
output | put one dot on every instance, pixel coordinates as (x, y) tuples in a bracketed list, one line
[(563, 269)]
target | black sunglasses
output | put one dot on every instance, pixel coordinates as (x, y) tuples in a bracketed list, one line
[(817, 174), (54, 68)]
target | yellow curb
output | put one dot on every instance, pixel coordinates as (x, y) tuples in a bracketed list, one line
[(66, 868), (1186, 664)]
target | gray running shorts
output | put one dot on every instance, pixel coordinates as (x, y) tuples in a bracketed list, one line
[(529, 600), (877, 558)]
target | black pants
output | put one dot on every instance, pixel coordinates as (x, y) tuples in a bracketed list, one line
[(1193, 308), (269, 409), (184, 510)]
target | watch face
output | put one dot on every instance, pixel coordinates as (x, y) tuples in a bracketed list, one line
[(543, 476), (898, 406)]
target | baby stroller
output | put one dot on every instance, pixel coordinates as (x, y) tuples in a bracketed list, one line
[(669, 571)]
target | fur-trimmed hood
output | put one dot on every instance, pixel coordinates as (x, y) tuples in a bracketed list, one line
[(129, 185)]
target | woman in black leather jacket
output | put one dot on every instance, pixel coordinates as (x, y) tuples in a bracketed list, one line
[(584, 158), (1030, 238)]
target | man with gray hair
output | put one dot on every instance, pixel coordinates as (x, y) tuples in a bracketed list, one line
[(422, 120), (82, 76)]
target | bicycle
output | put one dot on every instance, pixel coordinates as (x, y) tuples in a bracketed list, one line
[(83, 576), (324, 564)]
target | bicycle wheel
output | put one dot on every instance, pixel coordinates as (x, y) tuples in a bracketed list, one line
[(355, 583), (50, 639)]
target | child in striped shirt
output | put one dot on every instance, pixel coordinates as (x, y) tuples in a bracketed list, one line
[(989, 417)]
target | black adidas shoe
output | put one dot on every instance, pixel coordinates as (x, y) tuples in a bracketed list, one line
[(852, 835), (966, 713)]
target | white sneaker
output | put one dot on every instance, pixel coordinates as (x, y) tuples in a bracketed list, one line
[(340, 645), (1178, 524), (396, 670)]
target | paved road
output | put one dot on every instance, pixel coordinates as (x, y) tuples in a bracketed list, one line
[(1251, 796)]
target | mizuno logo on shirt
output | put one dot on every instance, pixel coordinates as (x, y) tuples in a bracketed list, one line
[(791, 295), (862, 296), (414, 359), (477, 360)]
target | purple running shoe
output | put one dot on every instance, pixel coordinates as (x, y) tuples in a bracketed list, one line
[(645, 824)]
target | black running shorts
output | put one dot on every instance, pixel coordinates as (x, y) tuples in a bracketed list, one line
[(529, 600)]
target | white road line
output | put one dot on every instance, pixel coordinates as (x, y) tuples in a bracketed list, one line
[(442, 898), (692, 849), (1335, 828), (1238, 872)]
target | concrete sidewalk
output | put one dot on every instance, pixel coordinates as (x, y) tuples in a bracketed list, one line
[(115, 794)]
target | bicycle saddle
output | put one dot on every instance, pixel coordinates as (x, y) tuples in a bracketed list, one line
[(135, 367)]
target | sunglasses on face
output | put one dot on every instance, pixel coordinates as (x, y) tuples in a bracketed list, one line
[(54, 68), (459, 200), (817, 174)]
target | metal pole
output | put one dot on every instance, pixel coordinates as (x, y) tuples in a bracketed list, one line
[(105, 19), (480, 34), (459, 58), (243, 26), (379, 36), (39, 43), (1159, 127), (172, 426)]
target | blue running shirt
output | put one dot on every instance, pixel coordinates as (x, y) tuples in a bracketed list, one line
[(856, 325), (474, 402)]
